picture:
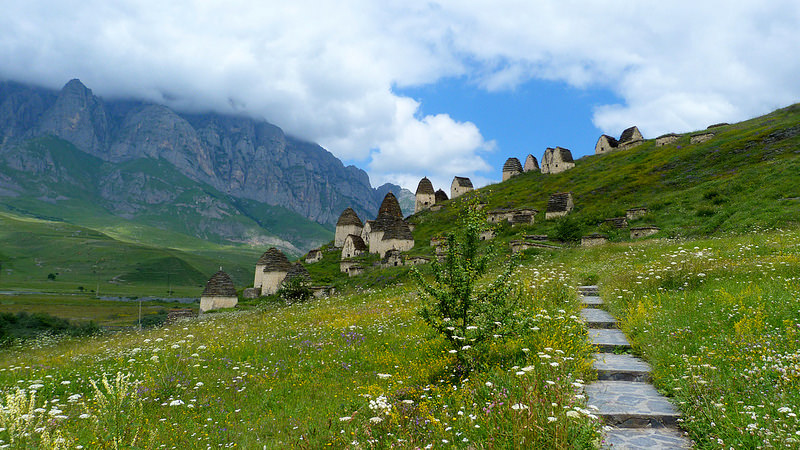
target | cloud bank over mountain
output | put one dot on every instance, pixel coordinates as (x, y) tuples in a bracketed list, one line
[(329, 72)]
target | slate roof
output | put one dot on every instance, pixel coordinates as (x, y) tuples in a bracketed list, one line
[(297, 270), (441, 196), (220, 285), (612, 142), (390, 207), (274, 260), (425, 186), (628, 134), (565, 154), (512, 165), (558, 202), (463, 181), (358, 243), (349, 217), (396, 229)]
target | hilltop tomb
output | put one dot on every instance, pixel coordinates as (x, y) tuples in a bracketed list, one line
[(389, 231), (617, 222), (513, 216), (393, 258), (297, 271), (700, 138), (353, 246), (631, 137), (348, 223), (441, 196), (460, 186), (425, 195), (531, 165), (557, 160), (219, 293), (511, 168), (271, 269), (640, 232), (559, 205), (635, 213), (666, 139), (313, 256)]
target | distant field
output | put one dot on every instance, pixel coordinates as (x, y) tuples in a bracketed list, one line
[(85, 308)]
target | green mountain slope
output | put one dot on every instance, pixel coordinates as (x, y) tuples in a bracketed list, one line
[(746, 176)]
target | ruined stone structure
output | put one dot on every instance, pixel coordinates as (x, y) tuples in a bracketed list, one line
[(460, 186), (350, 267), (393, 258), (353, 246), (700, 138), (531, 165), (441, 196), (416, 260), (640, 232), (488, 235), (177, 314), (559, 205), (219, 293), (556, 160), (297, 271), (635, 213), (593, 240), (717, 125), (348, 223), (666, 139), (517, 246), (631, 137), (366, 231), (271, 269), (389, 230), (251, 293), (513, 216), (440, 246), (617, 222), (511, 168), (322, 291), (425, 196), (314, 256), (536, 237)]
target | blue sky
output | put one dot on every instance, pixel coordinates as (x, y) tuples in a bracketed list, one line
[(440, 88), (521, 121)]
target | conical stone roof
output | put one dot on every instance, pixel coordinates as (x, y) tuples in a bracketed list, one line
[(220, 285), (274, 260), (425, 186), (349, 217), (441, 196), (394, 228), (298, 270), (390, 207), (512, 165)]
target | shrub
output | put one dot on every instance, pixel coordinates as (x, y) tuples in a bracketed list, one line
[(453, 306), (568, 229), (294, 290)]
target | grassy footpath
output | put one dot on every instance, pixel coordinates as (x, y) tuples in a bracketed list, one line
[(357, 371), (719, 320)]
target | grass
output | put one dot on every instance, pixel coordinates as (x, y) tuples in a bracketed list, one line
[(718, 320)]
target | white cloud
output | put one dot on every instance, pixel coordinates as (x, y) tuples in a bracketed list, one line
[(326, 71)]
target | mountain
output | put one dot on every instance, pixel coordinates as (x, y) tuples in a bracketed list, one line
[(144, 162)]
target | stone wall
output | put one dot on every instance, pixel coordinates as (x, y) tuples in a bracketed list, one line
[(208, 303), (593, 240), (640, 232), (342, 231), (557, 160), (635, 213), (666, 139), (270, 282), (384, 245), (314, 256), (460, 186), (700, 138), (424, 201)]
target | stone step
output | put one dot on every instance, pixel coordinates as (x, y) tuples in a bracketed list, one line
[(588, 290), (591, 301), (621, 367), (608, 339), (597, 318), (630, 404), (646, 438)]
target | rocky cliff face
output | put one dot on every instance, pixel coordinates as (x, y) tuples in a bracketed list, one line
[(238, 156)]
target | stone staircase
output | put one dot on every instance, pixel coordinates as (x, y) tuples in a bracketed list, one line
[(637, 416)]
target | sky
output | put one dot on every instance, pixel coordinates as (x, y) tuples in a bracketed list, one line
[(406, 89)]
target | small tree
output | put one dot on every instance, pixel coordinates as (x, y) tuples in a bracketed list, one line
[(466, 315), (295, 289)]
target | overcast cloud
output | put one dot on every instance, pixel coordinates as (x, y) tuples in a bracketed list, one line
[(325, 71)]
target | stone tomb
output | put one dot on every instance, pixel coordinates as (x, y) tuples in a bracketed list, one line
[(314, 256), (531, 165), (667, 139), (511, 168), (700, 138), (219, 293), (616, 222), (593, 240), (425, 195), (640, 232), (557, 160), (348, 223), (353, 246), (636, 213), (271, 269), (559, 205), (460, 186)]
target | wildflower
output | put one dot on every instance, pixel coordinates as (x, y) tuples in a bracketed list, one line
[(489, 384), (345, 419), (176, 403), (375, 419), (573, 414), (84, 416), (551, 419), (518, 406), (554, 364), (466, 347), (384, 376), (453, 351)]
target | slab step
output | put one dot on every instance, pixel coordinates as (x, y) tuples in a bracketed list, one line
[(621, 367), (646, 438), (630, 404), (588, 290), (591, 301), (608, 339), (597, 318)]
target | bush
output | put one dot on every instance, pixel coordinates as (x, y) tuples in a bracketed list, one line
[(568, 229), (453, 306), (295, 290)]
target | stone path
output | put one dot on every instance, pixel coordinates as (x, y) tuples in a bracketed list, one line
[(637, 416)]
